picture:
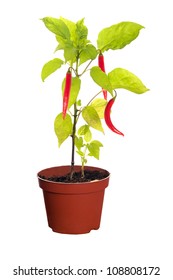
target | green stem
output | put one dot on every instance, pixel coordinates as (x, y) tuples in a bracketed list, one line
[(82, 169), (74, 126), (93, 97), (80, 111), (73, 141), (86, 68), (84, 161), (76, 117)]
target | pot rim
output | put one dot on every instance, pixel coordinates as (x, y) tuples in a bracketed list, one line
[(73, 183)]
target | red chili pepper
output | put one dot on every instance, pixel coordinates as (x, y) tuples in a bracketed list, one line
[(101, 62), (66, 92), (102, 67), (108, 118)]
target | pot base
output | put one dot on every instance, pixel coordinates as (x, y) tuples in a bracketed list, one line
[(75, 232), (74, 213)]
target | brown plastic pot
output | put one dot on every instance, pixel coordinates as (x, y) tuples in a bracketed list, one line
[(72, 208)]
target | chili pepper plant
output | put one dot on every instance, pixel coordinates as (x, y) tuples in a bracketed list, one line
[(77, 58)]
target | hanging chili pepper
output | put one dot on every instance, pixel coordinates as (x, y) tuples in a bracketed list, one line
[(66, 95), (108, 118), (102, 67)]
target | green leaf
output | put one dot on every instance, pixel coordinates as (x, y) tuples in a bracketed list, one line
[(83, 129), (91, 117), (100, 78), (79, 142), (74, 91), (60, 28), (94, 148), (88, 136), (118, 35), (70, 51), (63, 128), (99, 105), (81, 34), (78, 34), (89, 53), (71, 26), (79, 103), (57, 26), (50, 67), (122, 78), (98, 143), (80, 153)]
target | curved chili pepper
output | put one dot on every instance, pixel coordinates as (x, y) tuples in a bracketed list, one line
[(66, 92), (101, 64), (108, 118)]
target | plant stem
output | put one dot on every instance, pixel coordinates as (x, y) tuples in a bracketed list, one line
[(75, 119), (74, 125), (73, 141), (84, 161), (82, 170), (86, 68), (94, 97), (88, 104)]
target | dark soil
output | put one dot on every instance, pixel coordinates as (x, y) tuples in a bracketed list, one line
[(77, 177)]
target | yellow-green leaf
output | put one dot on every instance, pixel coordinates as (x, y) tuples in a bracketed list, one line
[(100, 78), (63, 128), (71, 26), (122, 78), (57, 26), (91, 117), (94, 148), (118, 35), (99, 105), (50, 67), (88, 53), (78, 142), (88, 136), (83, 129), (81, 34)]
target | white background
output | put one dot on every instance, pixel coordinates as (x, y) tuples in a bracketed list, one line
[(136, 227)]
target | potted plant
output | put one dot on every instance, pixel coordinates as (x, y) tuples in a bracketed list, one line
[(74, 194)]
